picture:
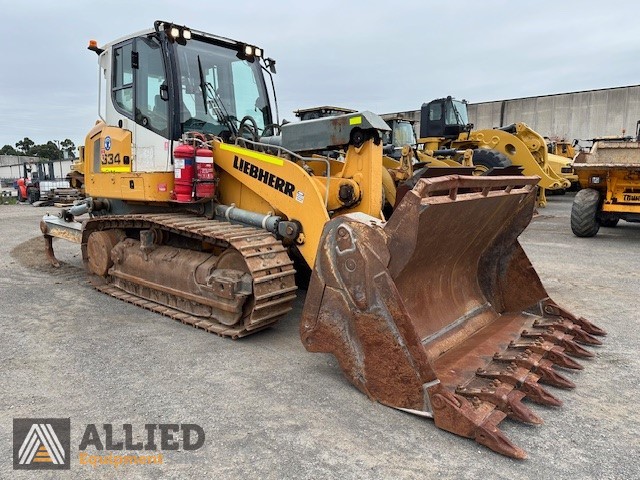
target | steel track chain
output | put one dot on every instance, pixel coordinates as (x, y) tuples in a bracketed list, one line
[(268, 261)]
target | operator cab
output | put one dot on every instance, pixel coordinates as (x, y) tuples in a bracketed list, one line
[(401, 134), (170, 80), (444, 117)]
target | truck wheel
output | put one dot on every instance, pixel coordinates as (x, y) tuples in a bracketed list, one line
[(584, 213), (20, 197), (485, 160)]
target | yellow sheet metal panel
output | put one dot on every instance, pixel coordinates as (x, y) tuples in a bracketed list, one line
[(115, 150), (155, 186)]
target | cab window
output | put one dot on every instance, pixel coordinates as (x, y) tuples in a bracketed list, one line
[(122, 81), (151, 110)]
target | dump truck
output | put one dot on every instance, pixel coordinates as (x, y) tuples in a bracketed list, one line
[(198, 211), (609, 175)]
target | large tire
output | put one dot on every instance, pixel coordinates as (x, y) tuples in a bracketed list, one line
[(584, 213), (486, 160)]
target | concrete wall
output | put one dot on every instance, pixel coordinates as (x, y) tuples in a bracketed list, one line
[(580, 115), (577, 115)]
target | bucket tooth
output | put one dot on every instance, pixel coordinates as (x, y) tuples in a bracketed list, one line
[(568, 342), (536, 364), (589, 327), (579, 335), (472, 418), (501, 394), (489, 435), (522, 379), (575, 350), (515, 409), (559, 338), (549, 376), (550, 309), (568, 327), (558, 357), (548, 350), (538, 394)]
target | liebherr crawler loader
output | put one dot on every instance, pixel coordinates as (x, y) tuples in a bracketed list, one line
[(199, 205)]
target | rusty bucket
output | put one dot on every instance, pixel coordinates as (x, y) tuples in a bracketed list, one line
[(439, 311)]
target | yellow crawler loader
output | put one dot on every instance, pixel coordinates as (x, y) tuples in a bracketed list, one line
[(199, 205)]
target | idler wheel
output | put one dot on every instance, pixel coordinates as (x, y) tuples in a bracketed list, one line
[(99, 248)]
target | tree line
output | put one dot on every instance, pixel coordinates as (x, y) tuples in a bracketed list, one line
[(52, 150)]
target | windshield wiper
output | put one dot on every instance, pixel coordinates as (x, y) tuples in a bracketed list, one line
[(209, 94), (202, 86), (220, 110)]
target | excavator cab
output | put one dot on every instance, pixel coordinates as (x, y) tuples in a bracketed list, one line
[(444, 117)]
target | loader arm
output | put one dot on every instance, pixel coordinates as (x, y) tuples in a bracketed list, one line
[(285, 187), (524, 147)]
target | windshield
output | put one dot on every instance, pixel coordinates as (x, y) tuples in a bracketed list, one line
[(217, 89), (456, 113), (403, 134)]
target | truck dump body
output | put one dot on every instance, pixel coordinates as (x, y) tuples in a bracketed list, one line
[(609, 175), (439, 311)]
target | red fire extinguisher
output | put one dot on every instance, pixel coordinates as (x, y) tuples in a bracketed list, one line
[(184, 158), (205, 174)]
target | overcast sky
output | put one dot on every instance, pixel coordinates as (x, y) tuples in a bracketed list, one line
[(383, 56)]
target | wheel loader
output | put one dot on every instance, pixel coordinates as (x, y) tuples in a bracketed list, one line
[(560, 158), (197, 211), (609, 175), (444, 124)]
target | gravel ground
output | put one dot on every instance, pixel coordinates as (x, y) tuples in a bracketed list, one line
[(272, 410)]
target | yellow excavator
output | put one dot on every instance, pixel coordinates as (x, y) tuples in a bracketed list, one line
[(199, 204)]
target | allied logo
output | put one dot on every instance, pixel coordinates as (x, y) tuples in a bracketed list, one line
[(41, 443), (107, 143)]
